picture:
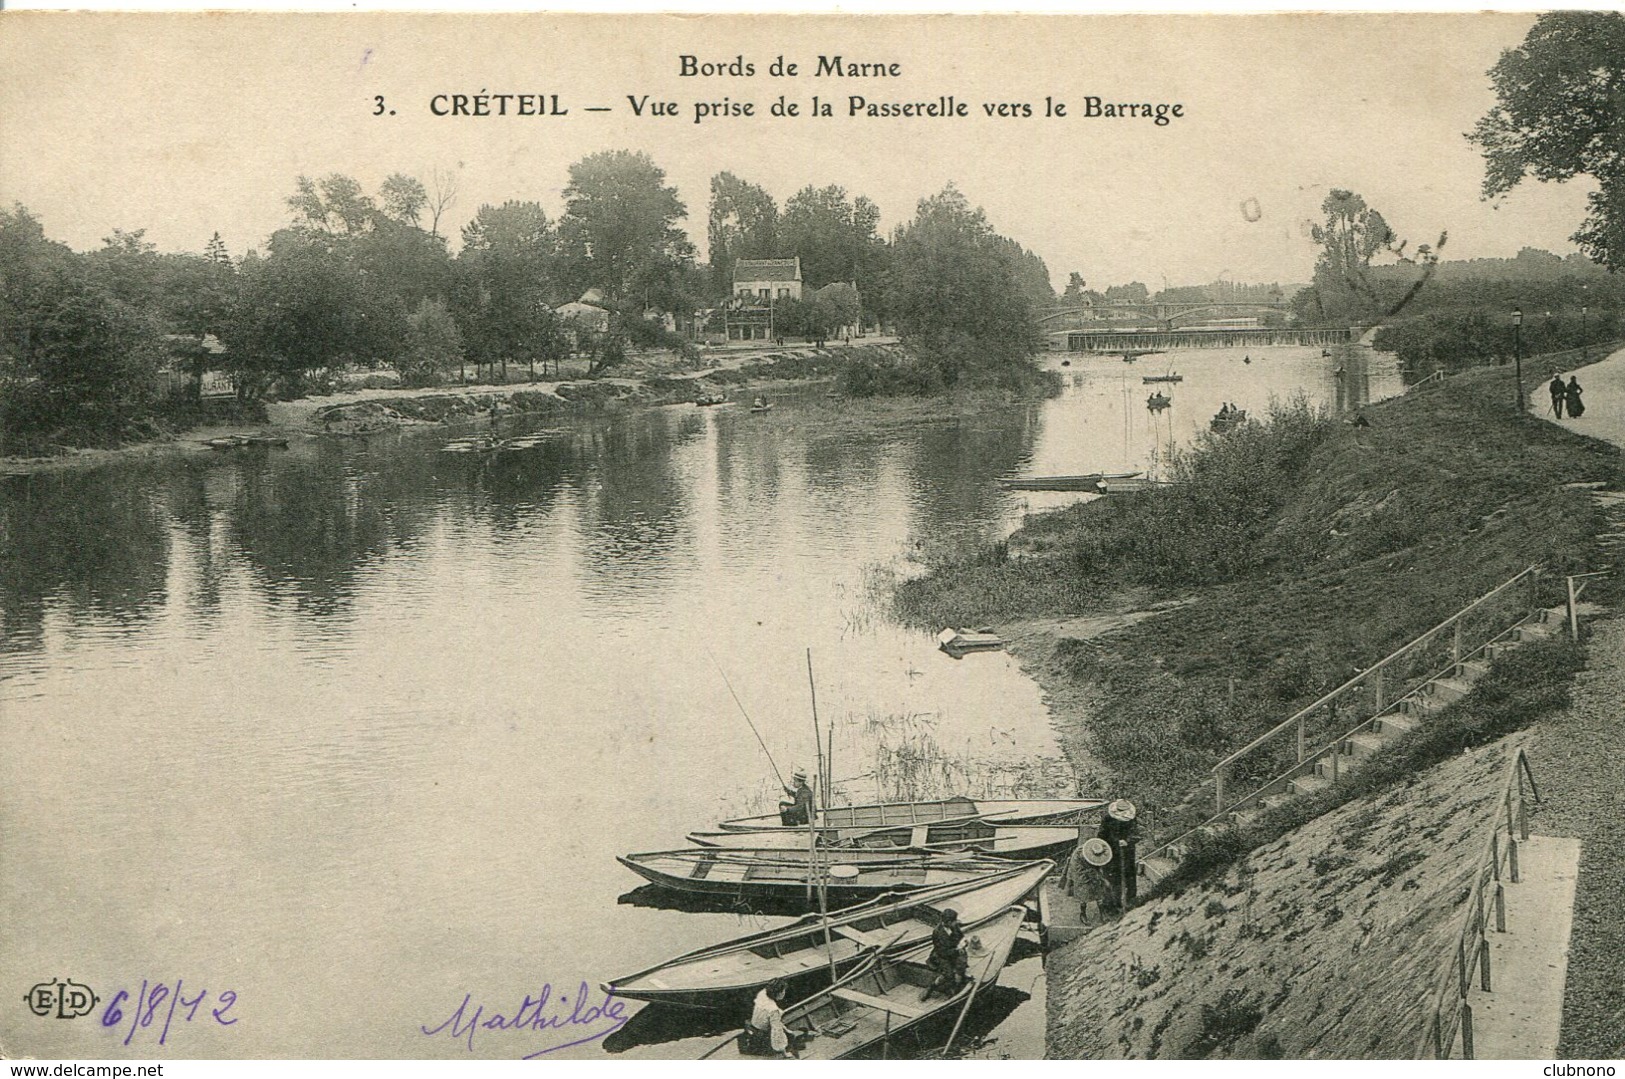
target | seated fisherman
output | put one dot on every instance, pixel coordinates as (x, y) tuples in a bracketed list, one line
[(799, 811)]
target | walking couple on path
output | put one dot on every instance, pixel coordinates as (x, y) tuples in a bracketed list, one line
[(1566, 396)]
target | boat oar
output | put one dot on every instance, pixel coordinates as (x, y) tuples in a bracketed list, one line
[(974, 985)]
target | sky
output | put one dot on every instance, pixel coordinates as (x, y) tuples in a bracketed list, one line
[(187, 124)]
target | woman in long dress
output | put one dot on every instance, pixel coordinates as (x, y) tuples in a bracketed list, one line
[(1571, 397)]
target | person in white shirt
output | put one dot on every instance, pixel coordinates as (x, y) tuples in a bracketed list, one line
[(765, 1035)]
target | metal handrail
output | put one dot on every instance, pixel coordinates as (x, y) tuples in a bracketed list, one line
[(1310, 757), (1374, 668), (1472, 951)]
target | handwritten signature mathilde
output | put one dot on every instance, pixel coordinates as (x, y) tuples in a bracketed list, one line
[(542, 1012)]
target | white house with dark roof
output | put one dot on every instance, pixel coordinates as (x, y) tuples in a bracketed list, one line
[(762, 280)]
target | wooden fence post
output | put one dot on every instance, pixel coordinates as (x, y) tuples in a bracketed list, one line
[(1301, 745), (1574, 617), (1466, 1031), (1379, 692), (1512, 860), (1218, 788), (1483, 962), (1500, 907), (1455, 644)]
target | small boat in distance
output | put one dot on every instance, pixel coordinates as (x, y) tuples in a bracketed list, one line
[(1163, 378), (237, 442), (1156, 403), (890, 814), (1088, 481), (1228, 419), (723, 975), (887, 995)]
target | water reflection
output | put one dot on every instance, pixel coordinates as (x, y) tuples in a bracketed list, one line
[(384, 715)]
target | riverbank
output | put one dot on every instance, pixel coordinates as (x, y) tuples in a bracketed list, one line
[(736, 372), (1298, 551)]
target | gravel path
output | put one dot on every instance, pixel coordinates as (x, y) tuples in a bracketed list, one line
[(1579, 761)]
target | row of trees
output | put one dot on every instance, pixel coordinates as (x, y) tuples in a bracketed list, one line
[(367, 278)]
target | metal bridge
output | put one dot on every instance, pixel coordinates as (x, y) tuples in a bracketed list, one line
[(1160, 315)]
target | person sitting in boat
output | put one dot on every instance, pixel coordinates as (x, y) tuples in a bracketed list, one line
[(947, 961), (765, 1034), (799, 810), (1117, 828)]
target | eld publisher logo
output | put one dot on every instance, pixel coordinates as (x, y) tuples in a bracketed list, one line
[(64, 999)]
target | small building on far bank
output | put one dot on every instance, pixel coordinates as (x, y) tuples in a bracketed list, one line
[(767, 279)]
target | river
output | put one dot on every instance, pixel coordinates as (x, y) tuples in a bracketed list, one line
[(354, 730)]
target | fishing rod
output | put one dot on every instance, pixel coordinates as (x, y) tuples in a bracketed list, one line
[(746, 714)]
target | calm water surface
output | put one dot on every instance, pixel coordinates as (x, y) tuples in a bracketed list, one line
[(355, 729)]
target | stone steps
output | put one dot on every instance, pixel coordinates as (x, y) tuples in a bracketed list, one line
[(1400, 718)]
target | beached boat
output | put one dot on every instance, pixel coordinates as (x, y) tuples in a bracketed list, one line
[(1088, 481), (884, 997), (888, 814), (851, 875), (720, 975), (958, 641), (1020, 841)]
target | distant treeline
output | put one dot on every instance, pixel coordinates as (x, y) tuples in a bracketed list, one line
[(92, 344)]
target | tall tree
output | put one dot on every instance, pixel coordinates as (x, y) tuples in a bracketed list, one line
[(1352, 235), (833, 235), (404, 198), (1560, 113), (506, 271), (76, 360), (955, 290), (619, 232), (743, 224)]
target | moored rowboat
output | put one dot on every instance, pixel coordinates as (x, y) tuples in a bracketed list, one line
[(1021, 841), (720, 975), (888, 995), (887, 814), (764, 873)]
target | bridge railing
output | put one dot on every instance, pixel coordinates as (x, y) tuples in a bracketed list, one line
[(1452, 1012)]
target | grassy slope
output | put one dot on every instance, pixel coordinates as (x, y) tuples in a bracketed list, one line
[(1305, 552)]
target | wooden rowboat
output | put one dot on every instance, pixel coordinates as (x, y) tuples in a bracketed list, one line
[(885, 997), (889, 814), (724, 975), (1088, 481), (848, 874), (1019, 841)]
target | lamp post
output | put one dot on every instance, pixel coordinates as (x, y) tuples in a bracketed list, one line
[(1585, 348), (1517, 352)]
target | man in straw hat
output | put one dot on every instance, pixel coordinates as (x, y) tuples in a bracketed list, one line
[(799, 810), (1117, 829), (1088, 879)]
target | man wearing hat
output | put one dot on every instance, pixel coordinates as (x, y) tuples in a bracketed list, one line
[(799, 811), (947, 959), (1117, 829), (1090, 881)]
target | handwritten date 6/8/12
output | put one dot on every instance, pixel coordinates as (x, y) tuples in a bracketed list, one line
[(169, 1004)]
